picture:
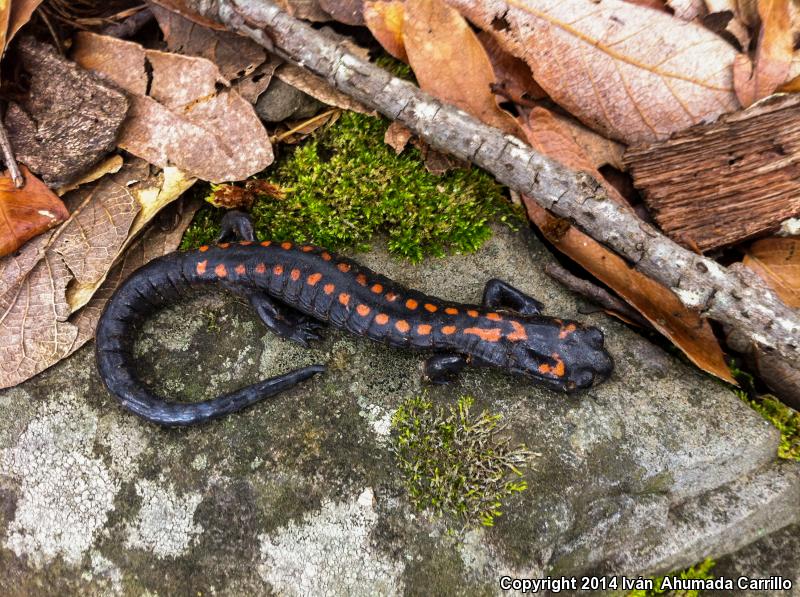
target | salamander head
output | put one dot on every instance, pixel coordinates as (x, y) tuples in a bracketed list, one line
[(565, 355)]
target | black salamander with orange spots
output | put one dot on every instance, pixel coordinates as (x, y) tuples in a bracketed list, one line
[(294, 289)]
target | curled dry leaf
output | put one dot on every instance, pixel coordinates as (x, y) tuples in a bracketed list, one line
[(433, 34), (754, 81), (26, 212), (180, 118), (397, 137), (109, 165), (632, 73), (18, 13), (514, 78), (777, 261), (684, 328), (385, 22)]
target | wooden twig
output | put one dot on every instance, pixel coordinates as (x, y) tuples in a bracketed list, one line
[(8, 156), (734, 295)]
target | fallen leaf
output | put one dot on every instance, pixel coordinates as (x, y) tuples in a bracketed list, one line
[(181, 118), (514, 78), (26, 212), (745, 11), (631, 73), (773, 55), (385, 22), (67, 120), (684, 328), (599, 150), (777, 261), (110, 165), (319, 88), (309, 10), (654, 4), (434, 34), (20, 14), (688, 10), (397, 136), (5, 14), (251, 86), (350, 12)]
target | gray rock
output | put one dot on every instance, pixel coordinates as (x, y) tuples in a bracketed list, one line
[(651, 471), (281, 102)]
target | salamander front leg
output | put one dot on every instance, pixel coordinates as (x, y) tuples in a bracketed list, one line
[(236, 225), (501, 295), (286, 323), (443, 368)]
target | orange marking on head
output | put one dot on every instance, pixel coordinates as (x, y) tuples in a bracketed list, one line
[(329, 288), (201, 267), (220, 270), (381, 319), (286, 246), (245, 243), (472, 312), (314, 278), (344, 298), (451, 311), (518, 333), (494, 317), (567, 330), (391, 297), (402, 326), (558, 370), (203, 249), (326, 256), (343, 267), (277, 270), (423, 329), (490, 335), (449, 329), (411, 304), (261, 268), (361, 279), (307, 248), (295, 275), (240, 269), (377, 288), (363, 310), (431, 308), (266, 243), (224, 245)]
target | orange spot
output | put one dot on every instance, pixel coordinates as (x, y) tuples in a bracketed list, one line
[(361, 279), (344, 298), (494, 317), (240, 269), (377, 289), (266, 243), (201, 267), (295, 275), (449, 329), (286, 246), (381, 319), (277, 270), (245, 243), (518, 333), (326, 256), (363, 310), (411, 304), (329, 288), (307, 248), (451, 311), (567, 330), (558, 370), (472, 312), (402, 326), (431, 308), (261, 268), (343, 267), (490, 335), (221, 271), (423, 329), (314, 278), (224, 245), (203, 249), (391, 297)]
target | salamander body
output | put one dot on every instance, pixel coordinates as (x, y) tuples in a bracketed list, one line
[(296, 287)]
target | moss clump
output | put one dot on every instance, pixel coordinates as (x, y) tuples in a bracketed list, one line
[(701, 571), (784, 418), (345, 185), (452, 461)]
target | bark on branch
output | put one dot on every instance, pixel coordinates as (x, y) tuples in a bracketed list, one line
[(732, 295)]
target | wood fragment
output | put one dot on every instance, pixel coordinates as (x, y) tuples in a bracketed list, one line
[(733, 295), (8, 157), (716, 185)]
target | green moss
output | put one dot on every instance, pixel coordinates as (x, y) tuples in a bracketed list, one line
[(701, 571), (346, 185), (453, 462)]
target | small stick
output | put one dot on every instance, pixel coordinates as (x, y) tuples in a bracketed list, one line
[(595, 294), (301, 126), (8, 157)]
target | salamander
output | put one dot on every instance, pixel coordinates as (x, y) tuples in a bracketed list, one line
[(295, 288)]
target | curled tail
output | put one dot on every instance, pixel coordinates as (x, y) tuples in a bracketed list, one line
[(157, 283)]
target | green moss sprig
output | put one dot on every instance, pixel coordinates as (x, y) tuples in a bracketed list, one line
[(701, 571)]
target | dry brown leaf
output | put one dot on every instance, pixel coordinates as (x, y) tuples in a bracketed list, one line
[(599, 150), (385, 22), (632, 73), (5, 14), (684, 328), (26, 212), (514, 78), (434, 34), (397, 137), (688, 10), (184, 120), (21, 12), (777, 261), (773, 55), (350, 12), (654, 4), (309, 10), (318, 88), (110, 165)]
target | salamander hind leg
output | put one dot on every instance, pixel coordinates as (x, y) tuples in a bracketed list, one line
[(443, 368), (501, 295), (235, 226), (285, 322)]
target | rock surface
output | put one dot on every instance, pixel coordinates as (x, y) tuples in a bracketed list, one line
[(648, 472)]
